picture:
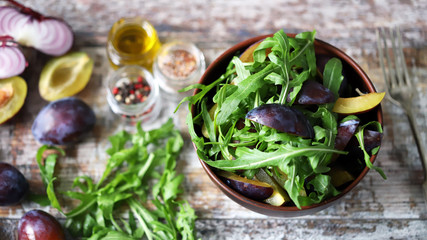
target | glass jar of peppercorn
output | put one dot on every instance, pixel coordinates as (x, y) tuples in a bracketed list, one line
[(133, 94)]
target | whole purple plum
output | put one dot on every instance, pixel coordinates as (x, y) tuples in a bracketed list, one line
[(13, 185), (63, 122)]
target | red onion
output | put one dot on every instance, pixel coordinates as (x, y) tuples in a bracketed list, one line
[(49, 35), (12, 61)]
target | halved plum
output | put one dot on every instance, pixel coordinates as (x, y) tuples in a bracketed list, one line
[(282, 118), (313, 92), (252, 189), (12, 97), (65, 76)]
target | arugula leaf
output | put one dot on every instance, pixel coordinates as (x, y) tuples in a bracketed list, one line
[(253, 158), (46, 172), (367, 157), (247, 86), (332, 76), (242, 73)]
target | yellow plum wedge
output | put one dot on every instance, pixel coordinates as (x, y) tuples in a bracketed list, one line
[(359, 104)]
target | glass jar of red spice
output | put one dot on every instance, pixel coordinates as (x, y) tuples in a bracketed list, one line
[(133, 94), (178, 65)]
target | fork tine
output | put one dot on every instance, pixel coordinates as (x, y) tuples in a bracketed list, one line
[(402, 58), (398, 61), (385, 58), (381, 57)]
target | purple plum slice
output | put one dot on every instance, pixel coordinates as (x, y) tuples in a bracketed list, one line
[(345, 132), (371, 139), (282, 118), (252, 189), (313, 92)]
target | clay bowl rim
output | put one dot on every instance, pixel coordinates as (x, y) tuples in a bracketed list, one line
[(285, 211)]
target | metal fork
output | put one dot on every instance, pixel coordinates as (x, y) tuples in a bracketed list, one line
[(400, 86)]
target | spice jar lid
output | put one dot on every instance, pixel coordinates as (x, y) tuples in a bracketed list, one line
[(177, 65), (133, 94)]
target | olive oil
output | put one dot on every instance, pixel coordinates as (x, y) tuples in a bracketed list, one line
[(132, 41)]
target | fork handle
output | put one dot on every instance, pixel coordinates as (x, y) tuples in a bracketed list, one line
[(420, 144)]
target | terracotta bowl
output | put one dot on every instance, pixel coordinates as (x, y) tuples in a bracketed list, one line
[(354, 75)]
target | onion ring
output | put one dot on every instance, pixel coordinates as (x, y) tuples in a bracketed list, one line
[(49, 35), (12, 61)]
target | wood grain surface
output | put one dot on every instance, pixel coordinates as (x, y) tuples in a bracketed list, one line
[(376, 209)]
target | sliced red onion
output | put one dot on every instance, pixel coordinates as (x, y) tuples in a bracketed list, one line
[(54, 37), (12, 61), (49, 35)]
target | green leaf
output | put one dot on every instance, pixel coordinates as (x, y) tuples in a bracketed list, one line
[(247, 86), (332, 76), (367, 158), (242, 72), (47, 169), (253, 158), (259, 53), (195, 98), (52, 196), (40, 199)]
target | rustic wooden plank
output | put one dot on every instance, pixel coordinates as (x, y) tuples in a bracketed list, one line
[(276, 229)]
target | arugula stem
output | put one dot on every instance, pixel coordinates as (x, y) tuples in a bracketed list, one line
[(140, 214), (81, 208), (309, 43)]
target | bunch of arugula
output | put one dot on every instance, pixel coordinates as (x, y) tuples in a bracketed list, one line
[(295, 162), (125, 184)]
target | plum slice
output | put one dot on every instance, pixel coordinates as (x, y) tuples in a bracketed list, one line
[(252, 189), (340, 177), (313, 92), (345, 132), (248, 55), (371, 140), (359, 104), (282, 118)]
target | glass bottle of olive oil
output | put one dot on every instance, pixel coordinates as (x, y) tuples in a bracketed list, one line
[(132, 41)]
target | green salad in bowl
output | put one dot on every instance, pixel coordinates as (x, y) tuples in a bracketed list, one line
[(285, 124)]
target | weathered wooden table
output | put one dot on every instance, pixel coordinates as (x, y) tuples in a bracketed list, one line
[(375, 209)]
